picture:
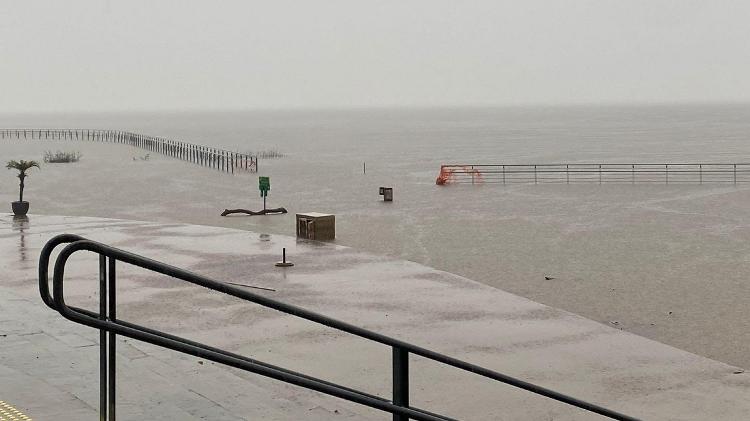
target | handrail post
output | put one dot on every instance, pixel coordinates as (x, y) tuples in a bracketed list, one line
[(111, 343), (103, 381), (567, 173), (400, 381), (535, 174), (633, 174), (735, 174), (107, 367), (600, 173)]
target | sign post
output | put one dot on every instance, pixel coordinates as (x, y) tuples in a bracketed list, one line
[(264, 185)]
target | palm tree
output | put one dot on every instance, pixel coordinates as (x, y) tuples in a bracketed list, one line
[(22, 166)]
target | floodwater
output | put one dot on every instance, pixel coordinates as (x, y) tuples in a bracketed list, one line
[(669, 262)]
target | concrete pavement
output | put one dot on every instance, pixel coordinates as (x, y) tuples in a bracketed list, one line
[(49, 366)]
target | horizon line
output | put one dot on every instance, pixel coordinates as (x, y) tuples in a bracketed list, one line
[(612, 104)]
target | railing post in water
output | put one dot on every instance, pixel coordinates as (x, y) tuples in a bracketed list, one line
[(735, 174), (534, 174), (567, 173), (600, 173), (503, 174), (400, 381), (633, 169)]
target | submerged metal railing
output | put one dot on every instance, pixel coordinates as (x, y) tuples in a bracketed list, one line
[(594, 173), (207, 156), (109, 326)]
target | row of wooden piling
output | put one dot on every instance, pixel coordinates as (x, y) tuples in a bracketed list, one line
[(219, 159)]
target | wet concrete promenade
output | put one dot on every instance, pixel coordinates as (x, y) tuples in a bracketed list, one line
[(49, 366)]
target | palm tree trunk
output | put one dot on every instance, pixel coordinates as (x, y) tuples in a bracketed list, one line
[(21, 194)]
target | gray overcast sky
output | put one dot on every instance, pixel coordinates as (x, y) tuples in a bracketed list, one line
[(132, 55)]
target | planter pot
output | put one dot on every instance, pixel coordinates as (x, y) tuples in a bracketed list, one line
[(20, 208)]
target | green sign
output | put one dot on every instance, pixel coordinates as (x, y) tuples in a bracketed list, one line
[(264, 185)]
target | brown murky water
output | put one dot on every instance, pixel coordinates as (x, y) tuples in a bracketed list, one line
[(666, 262)]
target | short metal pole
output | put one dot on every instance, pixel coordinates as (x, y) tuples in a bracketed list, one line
[(400, 381), (600, 173), (700, 173), (735, 174), (633, 166), (103, 384), (535, 174), (503, 174), (567, 173), (666, 173)]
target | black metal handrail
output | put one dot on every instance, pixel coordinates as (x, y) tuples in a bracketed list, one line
[(107, 322)]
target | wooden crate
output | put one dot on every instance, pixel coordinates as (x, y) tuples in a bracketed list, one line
[(316, 226)]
